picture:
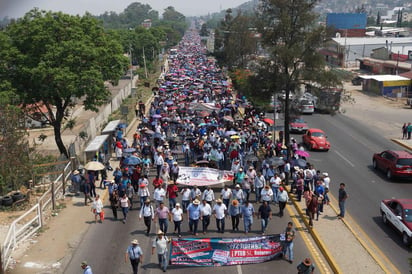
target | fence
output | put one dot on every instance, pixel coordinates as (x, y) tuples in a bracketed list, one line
[(32, 220)]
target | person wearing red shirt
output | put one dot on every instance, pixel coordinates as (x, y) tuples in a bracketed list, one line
[(157, 182), (171, 193)]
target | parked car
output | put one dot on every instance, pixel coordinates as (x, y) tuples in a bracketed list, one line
[(398, 213), (315, 138), (305, 106), (298, 125), (394, 163)]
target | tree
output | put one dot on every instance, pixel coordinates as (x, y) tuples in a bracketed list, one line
[(62, 58), (203, 30), (378, 19), (292, 37)]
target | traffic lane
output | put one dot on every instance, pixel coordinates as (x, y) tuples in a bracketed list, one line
[(104, 245), (370, 187)]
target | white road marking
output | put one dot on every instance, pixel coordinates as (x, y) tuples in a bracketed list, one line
[(239, 269), (344, 158)]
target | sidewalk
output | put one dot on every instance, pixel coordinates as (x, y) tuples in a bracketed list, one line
[(403, 142)]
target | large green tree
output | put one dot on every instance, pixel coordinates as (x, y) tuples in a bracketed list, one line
[(292, 37), (62, 58)]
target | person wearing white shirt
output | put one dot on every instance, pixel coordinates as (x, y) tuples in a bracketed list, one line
[(260, 182), (208, 195), (266, 194), (205, 212), (196, 193), (147, 213), (186, 195), (226, 194), (275, 183), (159, 195), (238, 194), (177, 214), (143, 193), (97, 209), (220, 210), (158, 161)]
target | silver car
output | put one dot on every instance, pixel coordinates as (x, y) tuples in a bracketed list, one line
[(306, 106)]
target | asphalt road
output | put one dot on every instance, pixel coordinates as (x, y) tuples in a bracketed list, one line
[(350, 161), (104, 245)]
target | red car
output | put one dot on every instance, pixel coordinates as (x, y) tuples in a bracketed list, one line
[(315, 138), (397, 212), (298, 125), (394, 163)]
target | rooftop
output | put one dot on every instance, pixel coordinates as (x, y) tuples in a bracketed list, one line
[(372, 40), (381, 78)]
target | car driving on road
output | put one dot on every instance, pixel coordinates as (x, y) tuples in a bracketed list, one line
[(398, 213), (316, 139), (298, 125), (394, 163)]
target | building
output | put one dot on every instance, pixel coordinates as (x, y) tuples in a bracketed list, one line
[(395, 86), (347, 24), (147, 23)]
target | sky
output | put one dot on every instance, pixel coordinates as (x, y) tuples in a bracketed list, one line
[(17, 8)]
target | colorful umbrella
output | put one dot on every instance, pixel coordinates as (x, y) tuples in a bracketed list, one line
[(302, 153), (269, 121), (94, 166)]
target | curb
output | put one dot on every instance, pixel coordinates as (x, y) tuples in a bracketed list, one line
[(365, 245), (321, 245), (401, 144)]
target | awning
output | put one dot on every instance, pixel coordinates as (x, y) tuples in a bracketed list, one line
[(111, 127), (96, 143)]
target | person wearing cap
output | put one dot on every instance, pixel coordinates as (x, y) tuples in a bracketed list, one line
[(177, 214), (226, 195), (265, 214), (205, 213), (86, 268), (147, 212), (135, 254), (246, 187), (306, 267), (251, 173), (326, 179), (193, 214), (282, 199), (174, 171), (220, 211), (235, 168), (259, 184), (76, 180), (238, 194), (240, 176), (234, 212), (266, 194), (111, 187), (208, 195), (247, 212), (163, 214), (160, 244)]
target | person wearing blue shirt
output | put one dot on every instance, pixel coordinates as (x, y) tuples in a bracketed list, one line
[(135, 254), (117, 174), (111, 186), (86, 268), (247, 212), (193, 214), (320, 192)]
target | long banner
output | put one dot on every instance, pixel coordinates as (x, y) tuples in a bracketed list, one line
[(224, 251), (203, 176)]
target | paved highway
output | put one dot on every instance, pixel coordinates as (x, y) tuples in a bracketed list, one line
[(350, 161), (104, 245)]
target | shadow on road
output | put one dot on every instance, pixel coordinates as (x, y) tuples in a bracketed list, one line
[(391, 232)]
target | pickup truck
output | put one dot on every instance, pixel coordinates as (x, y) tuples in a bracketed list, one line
[(398, 213)]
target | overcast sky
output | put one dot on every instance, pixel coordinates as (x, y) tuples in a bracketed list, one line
[(17, 8)]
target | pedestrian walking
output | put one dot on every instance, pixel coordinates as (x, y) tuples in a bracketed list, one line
[(160, 244), (114, 202), (226, 194), (238, 194), (342, 200), (143, 193), (282, 199), (265, 214), (186, 192), (135, 255), (235, 211), (171, 193), (163, 214), (220, 211), (404, 131), (86, 268), (247, 212), (260, 183), (275, 183), (148, 215), (306, 267), (130, 193), (177, 214), (266, 194), (193, 214), (124, 205), (97, 209), (159, 194), (312, 208), (290, 233), (205, 213), (208, 195)]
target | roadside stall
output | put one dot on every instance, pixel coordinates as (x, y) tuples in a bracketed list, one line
[(97, 145), (110, 129)]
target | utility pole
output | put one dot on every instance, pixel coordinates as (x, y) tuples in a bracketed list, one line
[(144, 63), (131, 70)]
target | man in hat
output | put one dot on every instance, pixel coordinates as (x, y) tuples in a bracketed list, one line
[(193, 214), (160, 244), (220, 211), (235, 211), (76, 179), (306, 266), (174, 171), (135, 254), (282, 199), (86, 268), (148, 215), (238, 194)]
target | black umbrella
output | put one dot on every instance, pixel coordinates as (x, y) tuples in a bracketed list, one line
[(300, 163)]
